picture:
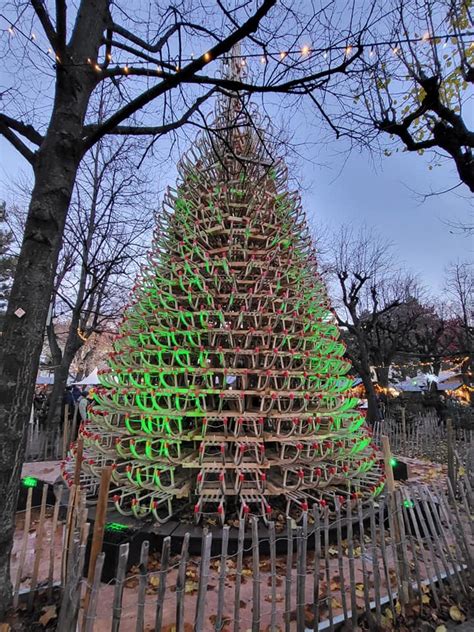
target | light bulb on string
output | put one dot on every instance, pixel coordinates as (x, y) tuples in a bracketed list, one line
[(263, 60), (348, 50), (207, 56), (33, 37), (282, 54), (305, 50)]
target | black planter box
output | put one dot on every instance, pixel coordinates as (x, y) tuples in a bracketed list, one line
[(114, 536)]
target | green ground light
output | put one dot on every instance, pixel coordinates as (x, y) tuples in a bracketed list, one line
[(408, 503), (393, 462), (30, 481), (115, 526)]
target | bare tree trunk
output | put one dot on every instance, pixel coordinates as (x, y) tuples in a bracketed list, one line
[(382, 375), (373, 410), (23, 332), (61, 374)]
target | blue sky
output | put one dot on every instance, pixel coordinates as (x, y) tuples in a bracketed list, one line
[(337, 190)]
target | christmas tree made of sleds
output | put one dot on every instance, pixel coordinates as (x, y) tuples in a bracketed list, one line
[(226, 387)]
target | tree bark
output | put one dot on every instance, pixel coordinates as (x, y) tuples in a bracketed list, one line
[(373, 410), (382, 375), (61, 374), (23, 335)]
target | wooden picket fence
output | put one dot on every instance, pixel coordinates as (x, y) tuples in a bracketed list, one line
[(369, 560), (425, 437)]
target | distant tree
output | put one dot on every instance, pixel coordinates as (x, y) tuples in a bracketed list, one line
[(8, 259), (106, 237), (459, 286), (389, 336), (366, 287)]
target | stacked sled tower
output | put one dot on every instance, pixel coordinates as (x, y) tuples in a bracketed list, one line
[(225, 392)]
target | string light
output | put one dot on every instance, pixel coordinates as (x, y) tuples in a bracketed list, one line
[(207, 56), (416, 364), (305, 50), (126, 69), (97, 68)]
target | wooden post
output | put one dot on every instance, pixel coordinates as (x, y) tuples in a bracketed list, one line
[(74, 421), (90, 609), (52, 541), (142, 587), (203, 580), (78, 461), (180, 585), (99, 525), (352, 581), (69, 610), (404, 429), (327, 567), (289, 564), (394, 518), (256, 577), (238, 574), (222, 575), (24, 543), (38, 548), (165, 557), (317, 560), (450, 445), (65, 430), (118, 592), (273, 615), (340, 557)]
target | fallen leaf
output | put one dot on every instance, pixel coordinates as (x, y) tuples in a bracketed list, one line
[(425, 599), (335, 603), (48, 614), (456, 614), (154, 581), (441, 628), (190, 587), (246, 572)]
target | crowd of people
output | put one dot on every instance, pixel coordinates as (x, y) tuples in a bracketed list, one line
[(73, 397)]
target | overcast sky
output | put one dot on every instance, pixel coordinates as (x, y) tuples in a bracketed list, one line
[(383, 196)]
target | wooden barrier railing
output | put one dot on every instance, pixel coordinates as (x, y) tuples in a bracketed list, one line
[(369, 560)]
